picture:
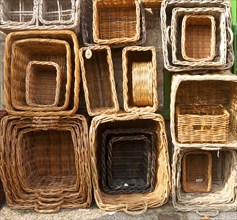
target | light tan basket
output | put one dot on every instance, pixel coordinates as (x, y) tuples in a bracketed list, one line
[(202, 123), (139, 202), (116, 22), (139, 79), (222, 196), (47, 165), (98, 80), (213, 89), (197, 171), (43, 83), (15, 92)]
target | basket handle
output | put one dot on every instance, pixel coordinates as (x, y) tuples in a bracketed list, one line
[(230, 41), (143, 210), (209, 214), (42, 207), (168, 34)]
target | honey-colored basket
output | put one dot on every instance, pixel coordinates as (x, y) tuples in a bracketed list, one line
[(202, 110), (98, 80), (40, 74), (197, 171), (136, 203), (50, 169), (198, 39), (222, 196), (139, 79), (14, 91), (202, 123)]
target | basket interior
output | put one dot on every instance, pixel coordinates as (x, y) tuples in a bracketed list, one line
[(48, 159), (135, 57), (26, 52), (209, 92), (18, 10), (198, 35), (57, 10), (98, 77), (197, 172), (42, 84), (116, 19)]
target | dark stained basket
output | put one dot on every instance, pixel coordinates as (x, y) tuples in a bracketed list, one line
[(128, 161)]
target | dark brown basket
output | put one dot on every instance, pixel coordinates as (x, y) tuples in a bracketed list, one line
[(120, 165), (87, 25)]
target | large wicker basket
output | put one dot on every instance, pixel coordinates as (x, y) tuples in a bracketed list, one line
[(222, 196), (138, 202), (139, 79), (45, 169), (98, 80), (43, 49), (203, 110), (167, 7)]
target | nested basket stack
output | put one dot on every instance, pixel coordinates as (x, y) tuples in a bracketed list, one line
[(39, 14)]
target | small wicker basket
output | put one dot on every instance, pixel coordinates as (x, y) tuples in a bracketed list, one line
[(98, 80), (38, 75), (197, 171)]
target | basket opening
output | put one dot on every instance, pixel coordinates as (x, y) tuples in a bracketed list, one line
[(42, 84), (98, 75), (48, 159), (57, 10), (198, 37), (116, 20), (136, 57), (17, 11)]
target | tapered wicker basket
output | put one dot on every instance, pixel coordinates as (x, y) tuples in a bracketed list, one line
[(138, 202), (98, 80), (49, 169), (139, 79), (23, 47), (222, 196)]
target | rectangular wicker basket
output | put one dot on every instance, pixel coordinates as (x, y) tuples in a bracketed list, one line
[(56, 46), (98, 80), (135, 202), (139, 79), (42, 168)]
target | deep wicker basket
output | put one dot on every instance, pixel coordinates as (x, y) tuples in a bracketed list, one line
[(98, 80), (138, 202), (46, 169), (57, 46)]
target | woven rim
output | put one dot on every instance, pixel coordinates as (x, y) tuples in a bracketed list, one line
[(113, 94), (133, 203), (68, 36), (153, 80)]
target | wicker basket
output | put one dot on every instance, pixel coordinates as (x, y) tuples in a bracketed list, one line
[(222, 196), (38, 75), (139, 79), (198, 28), (202, 123), (138, 202), (98, 80), (47, 165), (55, 46), (87, 23), (197, 171), (176, 33), (203, 110), (166, 9), (152, 3)]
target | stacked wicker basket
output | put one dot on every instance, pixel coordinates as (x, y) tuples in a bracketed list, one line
[(203, 104)]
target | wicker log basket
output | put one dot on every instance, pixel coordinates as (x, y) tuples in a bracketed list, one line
[(135, 203), (222, 194), (98, 80), (203, 110), (60, 47), (45, 170)]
